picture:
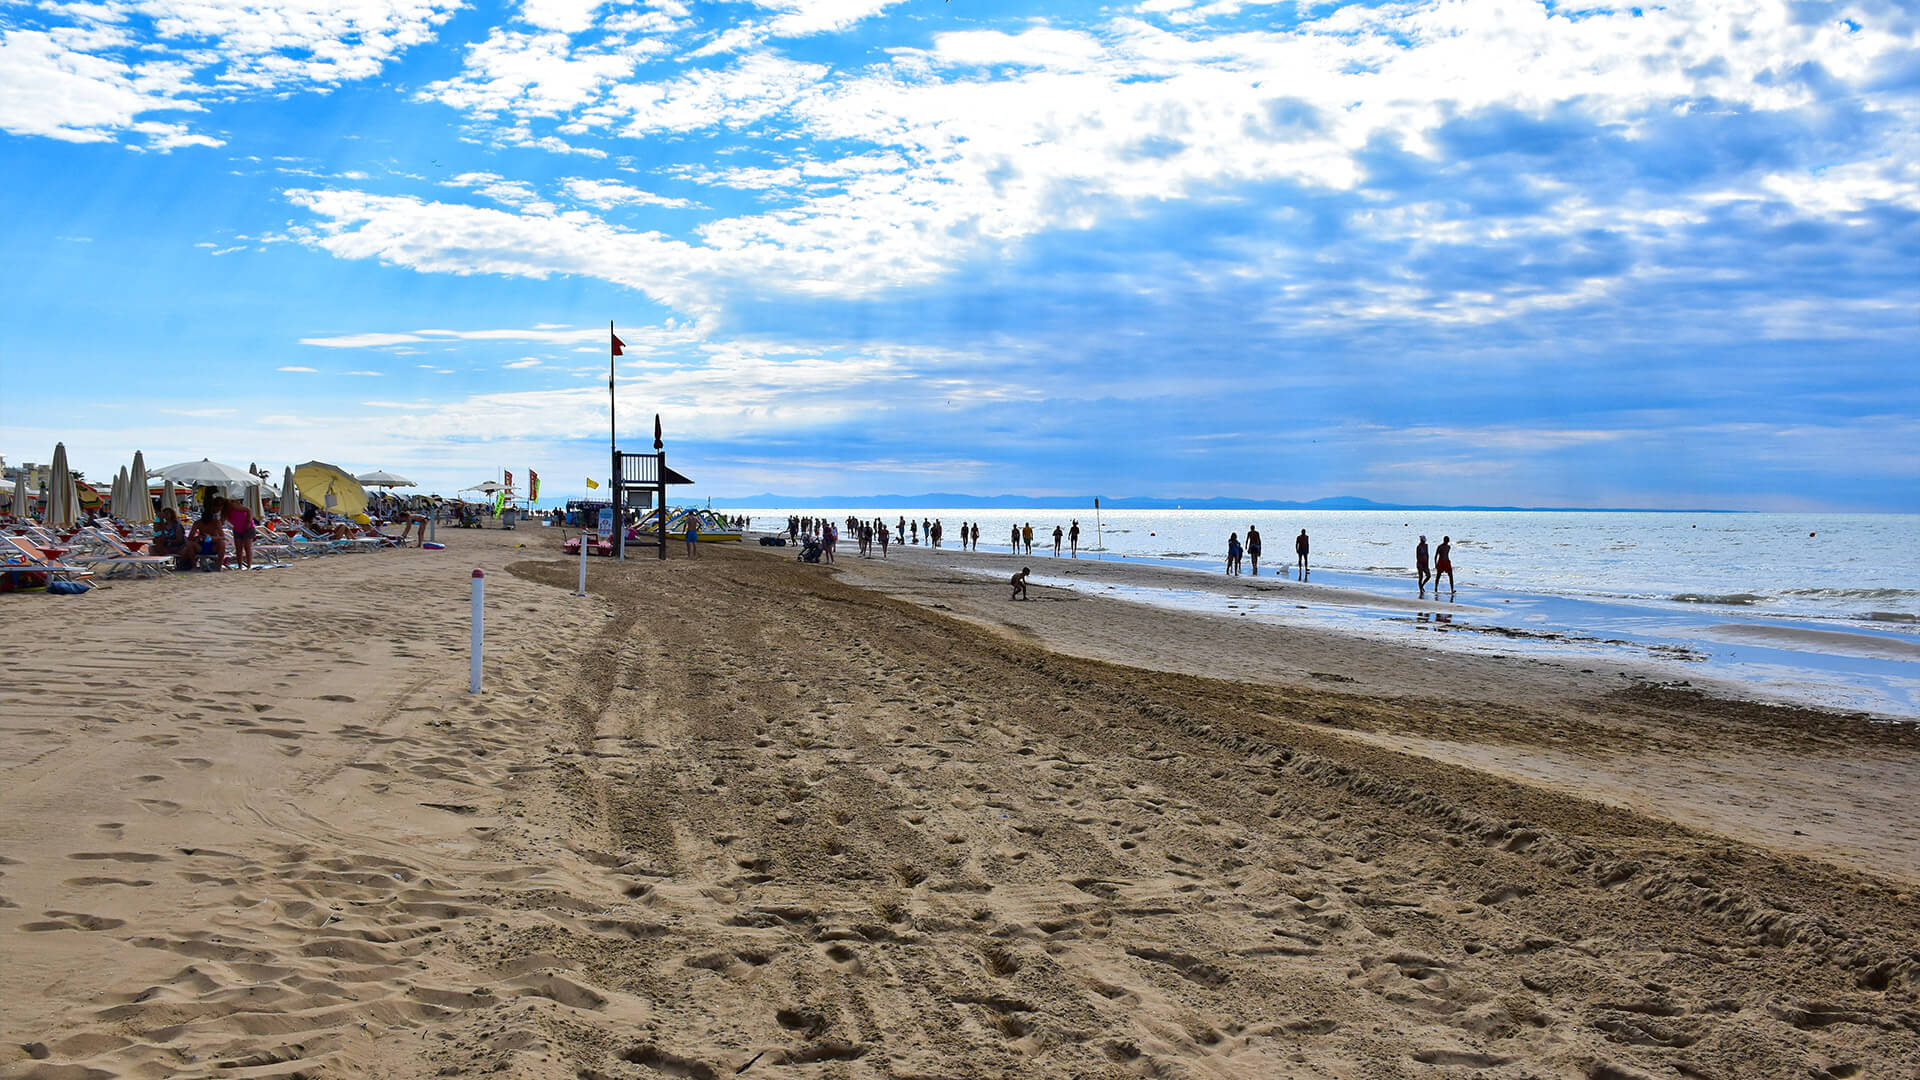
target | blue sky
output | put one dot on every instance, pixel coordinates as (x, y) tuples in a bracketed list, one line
[(1462, 252)]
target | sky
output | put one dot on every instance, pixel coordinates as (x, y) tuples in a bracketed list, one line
[(1467, 251)]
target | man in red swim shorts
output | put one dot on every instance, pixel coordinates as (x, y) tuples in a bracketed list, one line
[(1443, 564)]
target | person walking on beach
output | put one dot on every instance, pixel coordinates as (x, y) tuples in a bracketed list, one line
[(1300, 549), (693, 535), (1058, 532), (1020, 584), (883, 539), (976, 536), (1026, 536), (1073, 538), (1253, 549), (1443, 564), (829, 539), (1420, 566), (1016, 540), (1233, 553)]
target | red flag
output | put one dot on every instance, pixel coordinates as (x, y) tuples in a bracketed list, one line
[(509, 479), (617, 344), (533, 484)]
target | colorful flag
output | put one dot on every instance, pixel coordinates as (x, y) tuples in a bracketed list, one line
[(590, 484), (500, 502), (509, 479), (533, 484), (617, 344)]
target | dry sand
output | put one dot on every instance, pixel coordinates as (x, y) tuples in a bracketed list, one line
[(738, 816)]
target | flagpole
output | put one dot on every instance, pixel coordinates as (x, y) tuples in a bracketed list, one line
[(613, 447)]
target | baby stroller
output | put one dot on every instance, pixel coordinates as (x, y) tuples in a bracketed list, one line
[(811, 552)]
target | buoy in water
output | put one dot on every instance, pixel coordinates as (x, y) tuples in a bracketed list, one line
[(1813, 534)]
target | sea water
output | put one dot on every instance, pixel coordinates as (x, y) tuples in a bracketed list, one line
[(1848, 567), (1660, 585)]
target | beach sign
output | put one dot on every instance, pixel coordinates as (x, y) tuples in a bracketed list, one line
[(606, 521)]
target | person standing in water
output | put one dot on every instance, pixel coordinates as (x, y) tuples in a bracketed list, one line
[(1443, 564), (1253, 549), (1058, 532), (1073, 538), (1420, 565), (976, 536), (1233, 553), (1300, 549)]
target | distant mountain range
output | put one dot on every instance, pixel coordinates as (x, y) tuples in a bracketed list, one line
[(952, 501)]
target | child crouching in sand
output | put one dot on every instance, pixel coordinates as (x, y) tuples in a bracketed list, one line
[(1020, 584)]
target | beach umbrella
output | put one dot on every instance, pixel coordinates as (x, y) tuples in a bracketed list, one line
[(289, 495), (117, 493), (487, 487), (256, 505), (384, 479), (63, 499), (20, 494), (229, 479), (330, 487), (139, 501)]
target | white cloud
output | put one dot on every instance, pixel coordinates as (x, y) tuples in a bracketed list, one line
[(89, 72), (606, 193), (375, 374), (528, 362), (295, 367), (545, 333)]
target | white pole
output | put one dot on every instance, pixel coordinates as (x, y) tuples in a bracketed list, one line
[(479, 629), (583, 563)]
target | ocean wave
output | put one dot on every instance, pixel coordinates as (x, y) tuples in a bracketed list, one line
[(1891, 616), (1856, 594), (1732, 599)]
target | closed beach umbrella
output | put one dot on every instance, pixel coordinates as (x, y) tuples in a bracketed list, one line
[(63, 499), (289, 495), (19, 507), (330, 487), (117, 492), (256, 505), (139, 502)]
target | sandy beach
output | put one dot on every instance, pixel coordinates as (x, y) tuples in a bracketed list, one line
[(741, 816)]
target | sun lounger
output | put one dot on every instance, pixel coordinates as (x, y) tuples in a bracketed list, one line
[(18, 555), (112, 557)]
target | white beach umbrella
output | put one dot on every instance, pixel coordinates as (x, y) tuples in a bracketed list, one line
[(19, 507), (139, 502), (117, 499), (231, 480), (289, 495), (382, 478), (63, 499)]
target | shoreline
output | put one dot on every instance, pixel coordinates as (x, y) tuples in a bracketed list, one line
[(1777, 661)]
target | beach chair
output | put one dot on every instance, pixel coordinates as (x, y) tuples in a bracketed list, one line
[(111, 557), (21, 559)]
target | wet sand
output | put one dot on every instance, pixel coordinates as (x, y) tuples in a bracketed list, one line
[(738, 816)]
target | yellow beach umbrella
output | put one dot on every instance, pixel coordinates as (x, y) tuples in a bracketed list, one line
[(330, 487)]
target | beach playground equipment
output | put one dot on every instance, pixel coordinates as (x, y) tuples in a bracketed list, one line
[(711, 530)]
